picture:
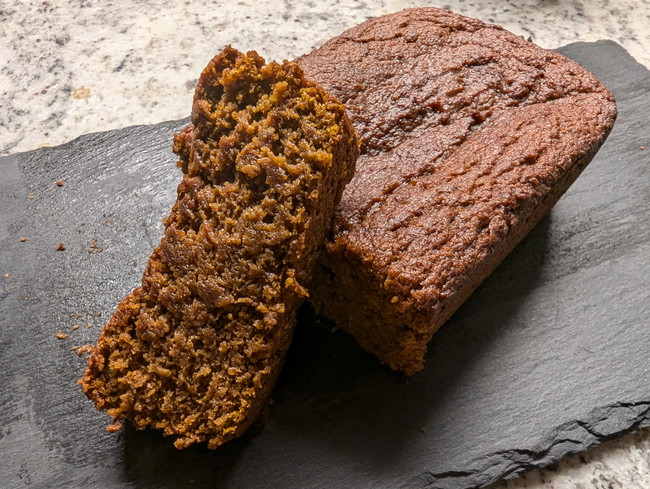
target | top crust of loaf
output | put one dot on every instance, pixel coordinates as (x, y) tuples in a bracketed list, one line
[(469, 134)]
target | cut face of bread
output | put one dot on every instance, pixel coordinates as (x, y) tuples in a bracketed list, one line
[(469, 135), (196, 349)]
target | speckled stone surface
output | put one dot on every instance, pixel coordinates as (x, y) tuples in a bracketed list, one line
[(72, 67), (69, 68)]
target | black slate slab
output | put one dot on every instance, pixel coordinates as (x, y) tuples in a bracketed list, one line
[(548, 357)]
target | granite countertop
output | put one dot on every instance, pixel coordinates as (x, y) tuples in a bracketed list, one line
[(70, 68)]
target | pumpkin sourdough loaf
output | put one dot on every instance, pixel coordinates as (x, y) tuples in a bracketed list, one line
[(469, 135), (196, 349)]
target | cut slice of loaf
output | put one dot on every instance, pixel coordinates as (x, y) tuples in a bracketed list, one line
[(196, 349), (469, 135)]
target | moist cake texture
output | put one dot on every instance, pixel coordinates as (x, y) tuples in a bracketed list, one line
[(469, 135), (196, 349)]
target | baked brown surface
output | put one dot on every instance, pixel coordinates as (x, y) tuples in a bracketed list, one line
[(196, 349), (469, 136)]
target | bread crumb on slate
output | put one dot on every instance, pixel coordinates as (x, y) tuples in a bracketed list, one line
[(75, 327), (6, 275), (60, 247), (81, 350), (30, 197), (115, 426), (22, 239), (61, 335), (59, 183)]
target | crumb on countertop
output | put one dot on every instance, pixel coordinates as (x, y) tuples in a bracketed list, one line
[(60, 247), (61, 335), (93, 248), (22, 239), (59, 183)]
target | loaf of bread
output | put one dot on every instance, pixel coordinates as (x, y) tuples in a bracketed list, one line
[(469, 135), (196, 349)]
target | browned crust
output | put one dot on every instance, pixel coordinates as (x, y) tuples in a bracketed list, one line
[(425, 89)]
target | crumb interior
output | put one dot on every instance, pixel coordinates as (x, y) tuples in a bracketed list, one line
[(195, 350)]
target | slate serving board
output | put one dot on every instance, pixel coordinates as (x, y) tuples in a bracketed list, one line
[(549, 356)]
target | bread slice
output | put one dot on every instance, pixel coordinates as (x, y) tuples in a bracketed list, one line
[(469, 136), (196, 349)]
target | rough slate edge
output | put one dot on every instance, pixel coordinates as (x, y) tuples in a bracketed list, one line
[(126, 460), (608, 422), (611, 64)]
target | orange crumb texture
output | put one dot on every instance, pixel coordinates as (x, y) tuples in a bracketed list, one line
[(196, 349), (61, 335)]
